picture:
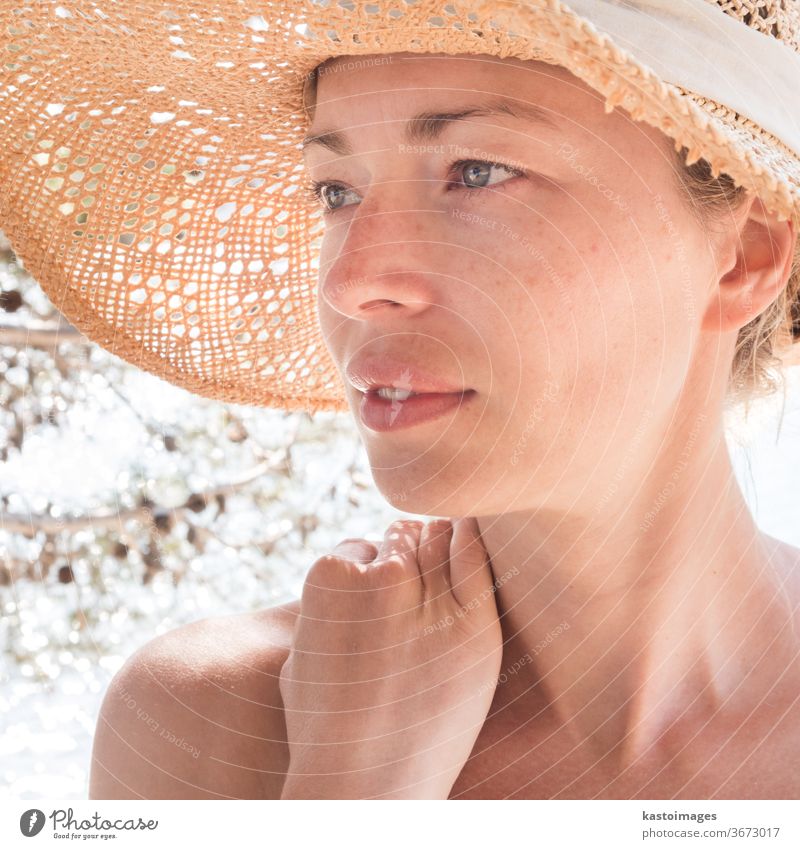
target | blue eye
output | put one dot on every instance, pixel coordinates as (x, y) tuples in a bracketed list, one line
[(326, 192), (319, 192), (479, 169)]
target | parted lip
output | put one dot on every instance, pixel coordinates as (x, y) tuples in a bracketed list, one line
[(370, 373)]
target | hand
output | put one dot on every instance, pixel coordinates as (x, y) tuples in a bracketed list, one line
[(393, 664)]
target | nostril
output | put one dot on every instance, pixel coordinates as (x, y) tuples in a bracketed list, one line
[(368, 305)]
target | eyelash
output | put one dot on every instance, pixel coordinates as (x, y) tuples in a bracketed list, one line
[(314, 189)]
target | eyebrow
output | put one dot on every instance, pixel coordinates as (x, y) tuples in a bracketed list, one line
[(429, 125)]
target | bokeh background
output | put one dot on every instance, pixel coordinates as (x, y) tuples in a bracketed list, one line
[(129, 507)]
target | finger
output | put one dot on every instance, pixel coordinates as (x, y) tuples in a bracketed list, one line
[(401, 540), (433, 555), (470, 568)]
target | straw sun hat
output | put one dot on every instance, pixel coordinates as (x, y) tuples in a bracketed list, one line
[(151, 172)]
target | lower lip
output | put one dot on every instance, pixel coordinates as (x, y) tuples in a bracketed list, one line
[(382, 414)]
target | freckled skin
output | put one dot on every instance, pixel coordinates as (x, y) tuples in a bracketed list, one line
[(597, 320), (506, 309), (647, 627)]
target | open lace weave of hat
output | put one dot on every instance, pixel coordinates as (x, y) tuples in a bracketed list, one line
[(151, 176)]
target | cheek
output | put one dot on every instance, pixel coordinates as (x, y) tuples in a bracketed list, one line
[(327, 320), (334, 329), (597, 318)]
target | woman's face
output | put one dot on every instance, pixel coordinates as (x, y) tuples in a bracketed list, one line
[(564, 287)]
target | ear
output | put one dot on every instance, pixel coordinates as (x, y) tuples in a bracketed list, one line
[(755, 258)]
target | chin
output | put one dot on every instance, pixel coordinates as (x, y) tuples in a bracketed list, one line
[(428, 500)]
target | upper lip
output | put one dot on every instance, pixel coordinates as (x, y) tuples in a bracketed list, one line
[(370, 373)]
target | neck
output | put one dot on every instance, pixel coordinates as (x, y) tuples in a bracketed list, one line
[(619, 621)]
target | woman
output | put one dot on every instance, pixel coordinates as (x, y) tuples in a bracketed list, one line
[(642, 627), (606, 620)]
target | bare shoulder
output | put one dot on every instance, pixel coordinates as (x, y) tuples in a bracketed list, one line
[(196, 713)]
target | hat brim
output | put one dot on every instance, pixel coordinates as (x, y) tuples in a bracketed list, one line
[(151, 170)]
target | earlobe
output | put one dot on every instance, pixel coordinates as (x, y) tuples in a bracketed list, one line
[(761, 252)]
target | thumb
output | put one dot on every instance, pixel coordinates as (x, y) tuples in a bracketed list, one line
[(471, 577)]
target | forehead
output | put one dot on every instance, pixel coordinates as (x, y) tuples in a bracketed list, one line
[(428, 73), (355, 90)]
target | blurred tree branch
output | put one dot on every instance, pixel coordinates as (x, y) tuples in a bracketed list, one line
[(29, 525), (40, 334)]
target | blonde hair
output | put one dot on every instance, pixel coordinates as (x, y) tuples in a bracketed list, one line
[(756, 371)]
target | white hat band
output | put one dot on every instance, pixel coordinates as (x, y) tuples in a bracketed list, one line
[(694, 44)]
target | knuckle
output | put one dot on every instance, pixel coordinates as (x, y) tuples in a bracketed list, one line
[(405, 524), (330, 562), (357, 545), (441, 523), (332, 585), (392, 569), (328, 572), (438, 528)]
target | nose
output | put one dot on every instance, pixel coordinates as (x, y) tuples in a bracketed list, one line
[(385, 266)]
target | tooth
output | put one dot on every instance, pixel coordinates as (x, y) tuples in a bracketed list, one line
[(392, 394)]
